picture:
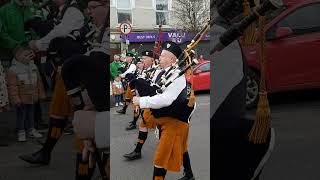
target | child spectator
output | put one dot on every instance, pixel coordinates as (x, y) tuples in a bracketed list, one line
[(24, 88), (117, 90)]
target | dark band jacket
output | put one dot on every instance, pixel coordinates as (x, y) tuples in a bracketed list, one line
[(76, 42), (179, 109), (149, 73)]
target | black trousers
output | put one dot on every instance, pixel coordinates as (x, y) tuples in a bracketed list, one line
[(92, 72)]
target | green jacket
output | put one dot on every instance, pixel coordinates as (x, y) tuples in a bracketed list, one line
[(114, 69), (13, 18)]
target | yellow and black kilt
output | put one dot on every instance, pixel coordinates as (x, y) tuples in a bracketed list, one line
[(147, 120), (172, 145), (61, 104)]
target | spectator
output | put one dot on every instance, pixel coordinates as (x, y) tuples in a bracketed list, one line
[(25, 88), (114, 67), (13, 16), (118, 91)]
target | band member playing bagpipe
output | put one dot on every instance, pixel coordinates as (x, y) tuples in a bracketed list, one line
[(169, 110), (148, 60), (86, 79), (69, 19), (130, 68), (241, 146)]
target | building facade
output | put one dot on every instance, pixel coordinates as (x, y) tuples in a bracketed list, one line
[(145, 16)]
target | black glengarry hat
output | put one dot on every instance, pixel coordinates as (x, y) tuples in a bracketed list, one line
[(173, 48)]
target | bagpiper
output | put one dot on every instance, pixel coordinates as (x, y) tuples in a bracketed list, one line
[(69, 19), (170, 112)]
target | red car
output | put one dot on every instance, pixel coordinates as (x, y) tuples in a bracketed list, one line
[(201, 77), (292, 49)]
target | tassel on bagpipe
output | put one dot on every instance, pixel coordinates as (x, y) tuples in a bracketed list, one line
[(236, 30)]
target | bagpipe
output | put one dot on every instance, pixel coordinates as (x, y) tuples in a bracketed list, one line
[(237, 29), (62, 48), (38, 25), (43, 27), (182, 64), (261, 127), (148, 74), (183, 107)]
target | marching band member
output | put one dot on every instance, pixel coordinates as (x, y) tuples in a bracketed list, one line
[(69, 18), (130, 69), (146, 123), (147, 60), (90, 72), (174, 123)]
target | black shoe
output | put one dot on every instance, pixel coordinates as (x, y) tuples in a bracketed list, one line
[(187, 178), (131, 126), (39, 157), (133, 155), (121, 111), (68, 130)]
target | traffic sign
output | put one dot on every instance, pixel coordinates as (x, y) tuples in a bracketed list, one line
[(125, 28)]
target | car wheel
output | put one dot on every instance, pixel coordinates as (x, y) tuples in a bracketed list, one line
[(253, 82), (188, 89)]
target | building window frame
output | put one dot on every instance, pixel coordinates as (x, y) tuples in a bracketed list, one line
[(154, 3), (131, 7), (113, 3)]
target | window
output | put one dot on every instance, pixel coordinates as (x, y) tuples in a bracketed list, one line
[(204, 67), (124, 11), (301, 21), (162, 12)]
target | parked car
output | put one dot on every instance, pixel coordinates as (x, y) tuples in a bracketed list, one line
[(201, 77), (292, 50)]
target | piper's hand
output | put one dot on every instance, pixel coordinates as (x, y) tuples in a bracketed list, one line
[(136, 100)]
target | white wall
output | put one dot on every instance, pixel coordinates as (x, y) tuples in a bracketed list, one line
[(143, 16)]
